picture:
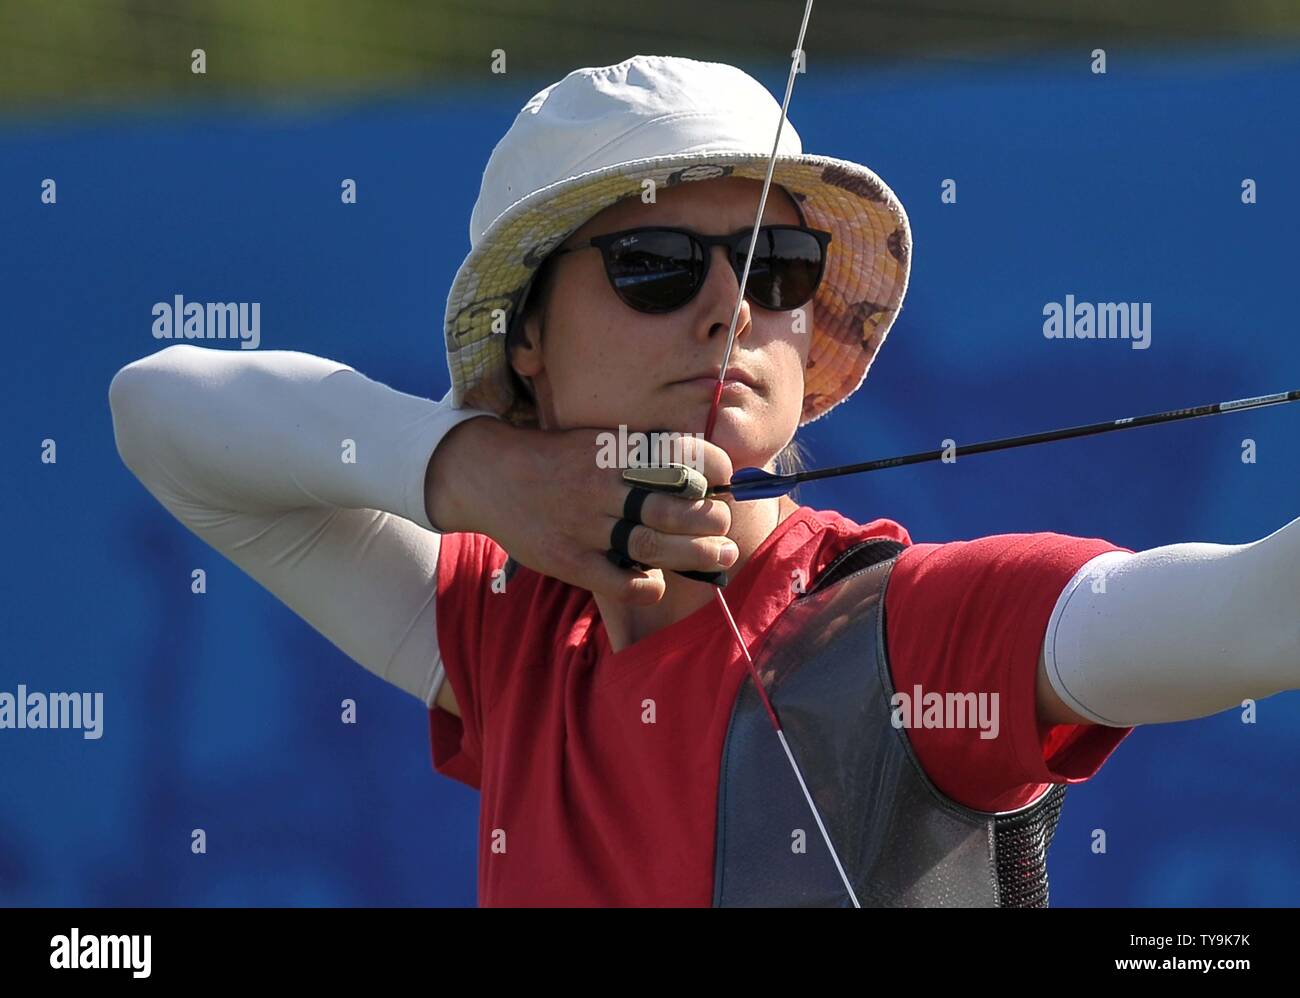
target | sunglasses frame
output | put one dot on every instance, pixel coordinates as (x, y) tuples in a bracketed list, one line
[(737, 245)]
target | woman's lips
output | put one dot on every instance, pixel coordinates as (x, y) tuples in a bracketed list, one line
[(730, 385)]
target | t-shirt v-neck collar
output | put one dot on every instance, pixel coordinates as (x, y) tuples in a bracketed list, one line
[(707, 619)]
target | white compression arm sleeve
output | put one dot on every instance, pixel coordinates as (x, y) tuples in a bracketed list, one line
[(246, 449), (1178, 632)]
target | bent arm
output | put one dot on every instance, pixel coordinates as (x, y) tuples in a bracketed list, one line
[(308, 476), (1174, 633)]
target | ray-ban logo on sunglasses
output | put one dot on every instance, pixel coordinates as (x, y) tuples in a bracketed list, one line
[(634, 449)]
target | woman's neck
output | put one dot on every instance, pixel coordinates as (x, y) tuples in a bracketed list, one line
[(751, 524)]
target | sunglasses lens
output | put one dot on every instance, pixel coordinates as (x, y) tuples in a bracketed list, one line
[(786, 270), (655, 271)]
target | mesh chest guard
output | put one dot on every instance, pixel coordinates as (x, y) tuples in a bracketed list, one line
[(903, 843)]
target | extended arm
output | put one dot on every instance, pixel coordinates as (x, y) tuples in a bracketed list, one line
[(1174, 633)]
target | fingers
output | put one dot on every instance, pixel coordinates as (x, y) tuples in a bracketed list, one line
[(554, 509), (679, 533), (669, 514), (673, 534), (630, 586), (680, 552)]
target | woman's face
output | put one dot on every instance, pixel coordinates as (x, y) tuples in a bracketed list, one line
[(596, 362)]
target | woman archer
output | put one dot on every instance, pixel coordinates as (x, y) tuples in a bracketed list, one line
[(606, 713)]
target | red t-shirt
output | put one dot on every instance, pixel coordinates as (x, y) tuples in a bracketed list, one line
[(585, 803)]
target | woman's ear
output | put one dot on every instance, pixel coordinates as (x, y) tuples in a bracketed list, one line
[(525, 352)]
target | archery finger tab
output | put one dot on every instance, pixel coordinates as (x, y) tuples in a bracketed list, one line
[(677, 479)]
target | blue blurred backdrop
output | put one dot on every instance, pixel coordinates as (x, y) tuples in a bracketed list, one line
[(221, 711)]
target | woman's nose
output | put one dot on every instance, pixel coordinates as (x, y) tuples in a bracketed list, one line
[(734, 266)]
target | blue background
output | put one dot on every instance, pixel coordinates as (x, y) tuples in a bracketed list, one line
[(222, 711)]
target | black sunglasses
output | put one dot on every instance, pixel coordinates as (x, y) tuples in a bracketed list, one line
[(659, 268)]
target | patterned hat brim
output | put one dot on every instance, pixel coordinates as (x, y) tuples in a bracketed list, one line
[(867, 268)]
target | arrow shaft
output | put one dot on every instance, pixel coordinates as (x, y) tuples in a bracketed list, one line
[(760, 485)]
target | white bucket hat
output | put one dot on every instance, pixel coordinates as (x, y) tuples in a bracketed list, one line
[(593, 138)]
